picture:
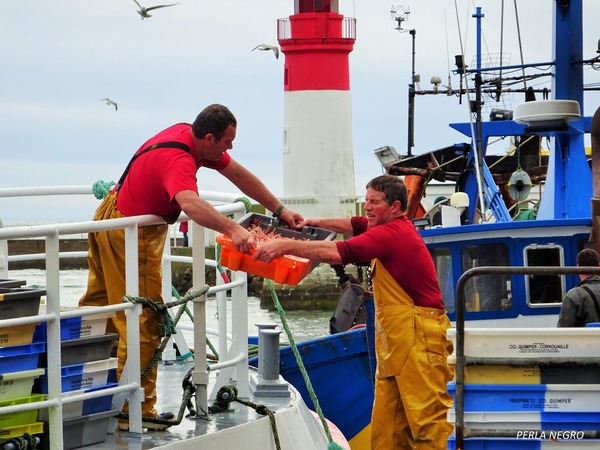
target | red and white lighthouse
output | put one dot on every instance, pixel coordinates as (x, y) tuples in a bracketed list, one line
[(318, 161)]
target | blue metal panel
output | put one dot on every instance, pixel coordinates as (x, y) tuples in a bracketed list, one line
[(565, 233), (568, 192)]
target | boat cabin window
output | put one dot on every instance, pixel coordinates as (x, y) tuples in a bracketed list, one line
[(442, 259), (543, 289), (487, 292)]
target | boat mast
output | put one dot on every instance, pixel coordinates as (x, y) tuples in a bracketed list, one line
[(411, 99), (479, 144)]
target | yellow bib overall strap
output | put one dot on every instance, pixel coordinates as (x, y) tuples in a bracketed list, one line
[(394, 322)]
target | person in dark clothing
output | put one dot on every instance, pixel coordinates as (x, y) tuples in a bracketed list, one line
[(581, 305)]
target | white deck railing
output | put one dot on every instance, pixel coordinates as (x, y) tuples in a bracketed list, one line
[(233, 348)]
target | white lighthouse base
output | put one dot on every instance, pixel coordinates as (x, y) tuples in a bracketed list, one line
[(318, 159)]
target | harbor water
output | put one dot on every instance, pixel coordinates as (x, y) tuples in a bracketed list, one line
[(303, 324)]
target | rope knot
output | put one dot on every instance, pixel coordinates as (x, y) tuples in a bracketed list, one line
[(168, 326), (101, 188), (263, 410), (224, 398)]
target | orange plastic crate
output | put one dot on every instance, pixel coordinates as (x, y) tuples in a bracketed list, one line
[(286, 269)]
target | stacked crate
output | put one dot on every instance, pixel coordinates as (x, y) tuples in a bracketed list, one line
[(529, 389), (86, 365), (19, 359)]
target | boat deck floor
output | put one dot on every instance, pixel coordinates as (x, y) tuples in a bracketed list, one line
[(170, 394)]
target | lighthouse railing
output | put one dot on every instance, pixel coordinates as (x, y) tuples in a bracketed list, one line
[(348, 31)]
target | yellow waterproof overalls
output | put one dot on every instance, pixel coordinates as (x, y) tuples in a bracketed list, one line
[(106, 285), (411, 403)]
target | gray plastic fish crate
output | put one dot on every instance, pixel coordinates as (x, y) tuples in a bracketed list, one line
[(85, 349), (4, 283), (19, 302)]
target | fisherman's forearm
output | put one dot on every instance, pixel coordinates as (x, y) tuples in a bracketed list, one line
[(341, 225), (321, 251)]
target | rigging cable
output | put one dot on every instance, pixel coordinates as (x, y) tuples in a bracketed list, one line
[(461, 72), (447, 52), (499, 86), (520, 45), (473, 143)]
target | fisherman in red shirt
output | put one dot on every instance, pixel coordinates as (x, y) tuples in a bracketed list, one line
[(411, 344), (161, 180)]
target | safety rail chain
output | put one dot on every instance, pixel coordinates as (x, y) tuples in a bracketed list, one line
[(462, 360), (233, 348)]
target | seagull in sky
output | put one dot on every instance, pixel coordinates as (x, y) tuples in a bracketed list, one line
[(266, 47), (143, 11), (109, 102)]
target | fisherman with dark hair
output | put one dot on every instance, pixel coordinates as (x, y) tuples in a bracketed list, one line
[(161, 180), (411, 344), (581, 305)]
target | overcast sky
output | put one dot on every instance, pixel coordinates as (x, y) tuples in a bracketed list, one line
[(60, 58)]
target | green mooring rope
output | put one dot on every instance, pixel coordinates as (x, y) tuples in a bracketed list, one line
[(246, 203), (332, 445), (191, 317), (101, 188), (168, 328), (169, 324)]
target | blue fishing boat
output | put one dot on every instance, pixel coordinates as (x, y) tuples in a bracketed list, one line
[(489, 221)]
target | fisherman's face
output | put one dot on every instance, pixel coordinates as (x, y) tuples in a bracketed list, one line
[(217, 147), (377, 210)]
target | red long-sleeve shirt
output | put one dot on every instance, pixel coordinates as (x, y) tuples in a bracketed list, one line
[(400, 248)]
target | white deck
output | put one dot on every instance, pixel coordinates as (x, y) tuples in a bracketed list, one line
[(193, 432)]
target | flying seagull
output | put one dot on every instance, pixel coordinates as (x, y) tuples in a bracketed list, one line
[(109, 102), (143, 11), (265, 47)]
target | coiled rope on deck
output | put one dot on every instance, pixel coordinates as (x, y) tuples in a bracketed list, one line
[(189, 389), (332, 445), (229, 394)]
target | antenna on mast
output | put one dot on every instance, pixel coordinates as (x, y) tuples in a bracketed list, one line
[(400, 14), (399, 18)]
